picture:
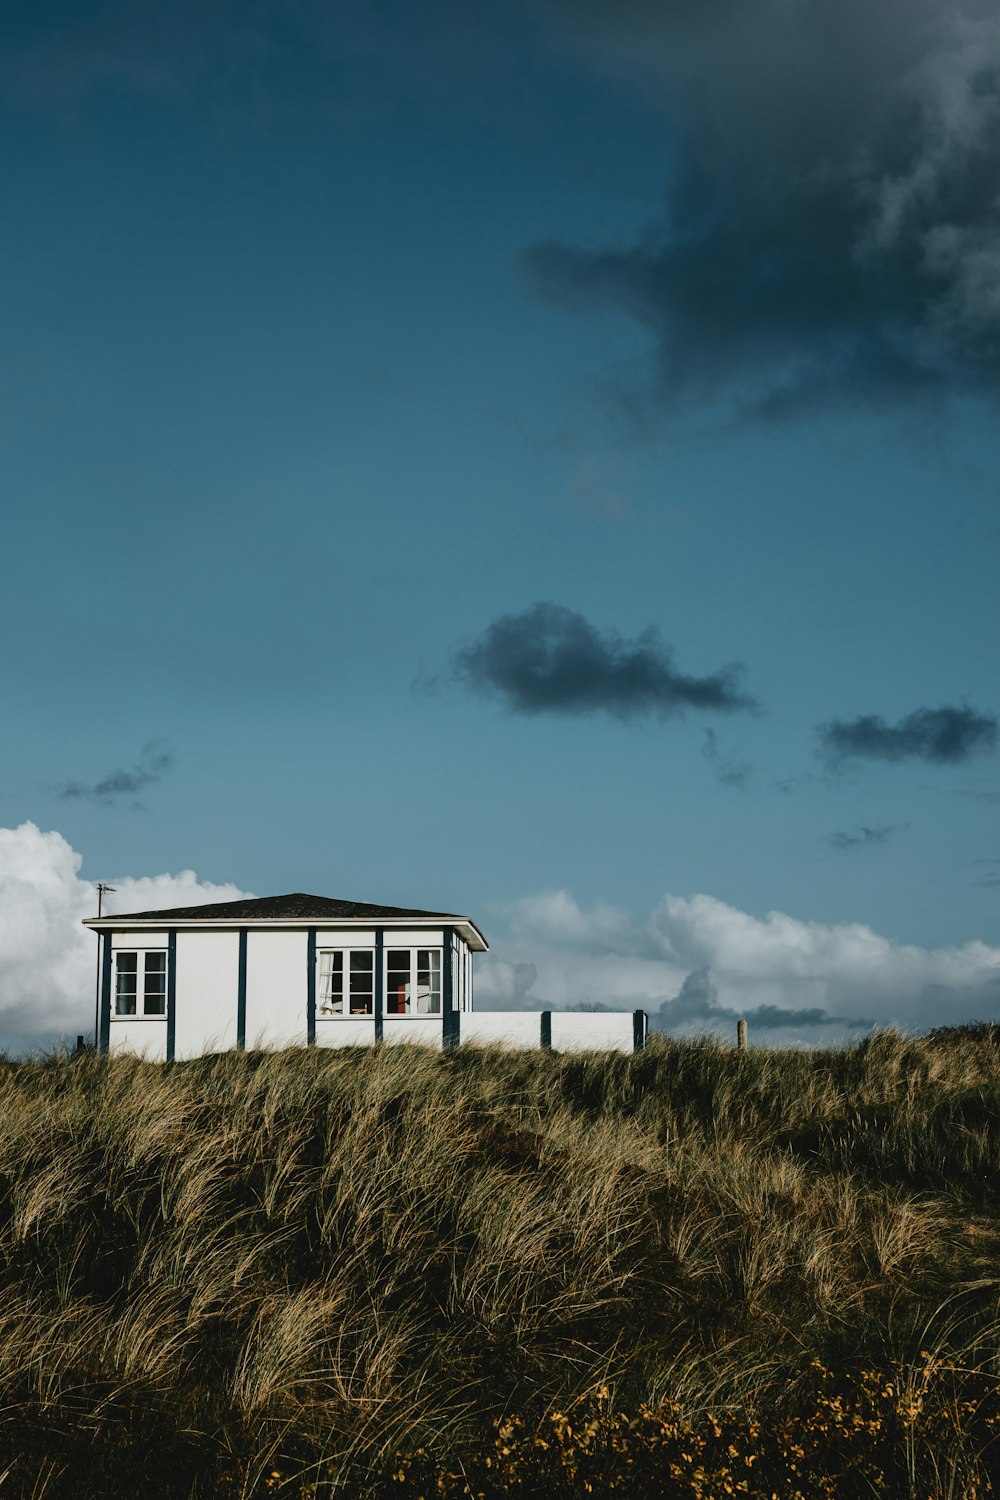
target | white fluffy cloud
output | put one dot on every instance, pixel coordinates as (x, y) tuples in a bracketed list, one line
[(696, 963), (47, 960)]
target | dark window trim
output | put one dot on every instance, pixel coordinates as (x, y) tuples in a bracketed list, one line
[(171, 993)]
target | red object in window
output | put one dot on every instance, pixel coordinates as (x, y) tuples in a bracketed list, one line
[(397, 1006)]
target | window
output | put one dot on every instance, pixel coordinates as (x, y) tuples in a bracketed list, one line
[(144, 974), (346, 982), (357, 997), (413, 982)]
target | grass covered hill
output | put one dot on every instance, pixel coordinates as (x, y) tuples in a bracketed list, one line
[(389, 1272)]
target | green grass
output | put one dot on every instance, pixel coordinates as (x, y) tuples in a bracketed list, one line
[(308, 1262)]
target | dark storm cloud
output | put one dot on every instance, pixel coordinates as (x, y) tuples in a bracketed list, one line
[(942, 735), (550, 659), (861, 836), (696, 1005), (831, 229), (155, 760)]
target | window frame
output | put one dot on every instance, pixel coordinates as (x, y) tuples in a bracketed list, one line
[(388, 947), (346, 954), (414, 969), (142, 974)]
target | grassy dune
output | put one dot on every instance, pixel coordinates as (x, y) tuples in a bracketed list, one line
[(379, 1268)]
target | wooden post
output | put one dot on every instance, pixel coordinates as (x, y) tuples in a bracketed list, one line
[(741, 1035)]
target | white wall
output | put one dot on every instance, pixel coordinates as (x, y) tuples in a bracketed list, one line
[(276, 989), (344, 938), (592, 1031), (501, 1028), (423, 1029), (346, 1031), (207, 970), (147, 1038)]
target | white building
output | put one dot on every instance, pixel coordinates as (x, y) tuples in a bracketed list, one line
[(306, 970)]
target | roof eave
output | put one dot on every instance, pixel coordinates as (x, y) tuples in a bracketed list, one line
[(152, 923)]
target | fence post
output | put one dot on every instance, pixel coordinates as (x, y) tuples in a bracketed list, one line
[(741, 1035)]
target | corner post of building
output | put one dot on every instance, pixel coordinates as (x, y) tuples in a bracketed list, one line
[(545, 1031), (104, 1024), (311, 987), (241, 994), (448, 1027), (639, 1028), (171, 993), (379, 981)]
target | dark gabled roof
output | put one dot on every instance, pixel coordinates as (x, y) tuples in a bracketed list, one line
[(298, 906)]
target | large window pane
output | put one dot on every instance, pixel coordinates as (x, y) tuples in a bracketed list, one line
[(362, 984), (428, 982), (330, 1000), (155, 988), (346, 983), (397, 982), (126, 972)]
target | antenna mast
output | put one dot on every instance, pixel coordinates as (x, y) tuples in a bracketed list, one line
[(102, 891)]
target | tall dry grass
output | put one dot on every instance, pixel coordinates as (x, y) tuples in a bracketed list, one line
[(304, 1263)]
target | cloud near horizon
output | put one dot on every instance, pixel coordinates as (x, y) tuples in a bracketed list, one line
[(801, 982), (550, 659), (697, 1006), (46, 957), (942, 736), (831, 226), (155, 760)]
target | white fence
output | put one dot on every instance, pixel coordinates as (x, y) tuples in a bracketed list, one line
[(564, 1031), (501, 1028), (597, 1031)]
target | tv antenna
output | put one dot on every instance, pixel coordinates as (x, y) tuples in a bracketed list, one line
[(102, 890)]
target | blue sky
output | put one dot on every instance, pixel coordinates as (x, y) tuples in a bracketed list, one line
[(338, 340)]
